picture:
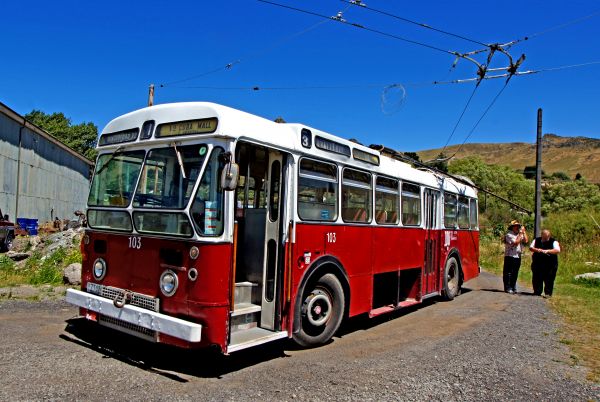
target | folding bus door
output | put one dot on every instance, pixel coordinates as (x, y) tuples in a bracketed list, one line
[(432, 242)]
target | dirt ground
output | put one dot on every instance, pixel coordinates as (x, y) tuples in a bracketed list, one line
[(484, 345)]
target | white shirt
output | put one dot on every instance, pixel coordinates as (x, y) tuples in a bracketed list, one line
[(511, 249)]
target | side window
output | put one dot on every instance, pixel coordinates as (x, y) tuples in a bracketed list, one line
[(473, 209), (317, 191), (450, 210), (356, 196), (463, 212), (387, 201), (411, 204), (207, 209), (274, 191)]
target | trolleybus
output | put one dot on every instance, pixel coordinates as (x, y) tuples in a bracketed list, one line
[(209, 226)]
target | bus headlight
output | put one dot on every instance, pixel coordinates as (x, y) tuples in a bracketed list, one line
[(168, 283), (99, 269)]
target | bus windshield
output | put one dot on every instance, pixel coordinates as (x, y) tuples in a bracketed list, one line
[(156, 186), (168, 179), (115, 179)]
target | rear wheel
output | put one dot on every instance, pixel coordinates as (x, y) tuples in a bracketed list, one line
[(322, 311), (451, 279)]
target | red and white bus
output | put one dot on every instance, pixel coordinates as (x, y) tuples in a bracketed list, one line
[(209, 226)]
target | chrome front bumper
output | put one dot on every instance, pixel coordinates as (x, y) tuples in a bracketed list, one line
[(151, 320)]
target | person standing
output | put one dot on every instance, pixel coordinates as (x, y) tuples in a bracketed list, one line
[(513, 247), (544, 263)]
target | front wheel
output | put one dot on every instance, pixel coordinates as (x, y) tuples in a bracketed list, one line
[(322, 311), (451, 279)]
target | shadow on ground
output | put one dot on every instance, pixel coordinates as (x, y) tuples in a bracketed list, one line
[(173, 363)]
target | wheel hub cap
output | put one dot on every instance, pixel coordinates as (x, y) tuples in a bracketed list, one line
[(318, 308)]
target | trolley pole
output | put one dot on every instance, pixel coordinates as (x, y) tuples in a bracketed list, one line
[(538, 177), (151, 95)]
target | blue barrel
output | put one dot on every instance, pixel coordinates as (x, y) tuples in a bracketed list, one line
[(22, 222), (32, 227)]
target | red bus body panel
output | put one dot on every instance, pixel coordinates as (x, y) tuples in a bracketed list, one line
[(204, 301)]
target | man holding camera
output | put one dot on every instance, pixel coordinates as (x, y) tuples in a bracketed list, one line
[(513, 247)]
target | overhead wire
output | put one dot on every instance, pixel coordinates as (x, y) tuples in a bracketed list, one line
[(382, 85), (460, 118), (480, 119), (516, 74), (360, 4), (554, 28), (251, 56), (343, 21)]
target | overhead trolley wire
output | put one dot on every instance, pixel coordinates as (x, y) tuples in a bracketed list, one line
[(228, 66), (339, 19), (382, 85), (460, 117), (554, 28), (290, 88), (360, 4), (516, 74), (480, 119)]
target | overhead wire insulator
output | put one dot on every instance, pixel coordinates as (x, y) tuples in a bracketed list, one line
[(339, 17)]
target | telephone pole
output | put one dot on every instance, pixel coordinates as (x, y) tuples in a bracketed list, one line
[(151, 95), (538, 177)]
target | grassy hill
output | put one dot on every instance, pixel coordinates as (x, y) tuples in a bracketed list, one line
[(570, 155)]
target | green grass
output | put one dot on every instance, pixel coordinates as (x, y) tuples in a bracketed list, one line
[(37, 270), (576, 301)]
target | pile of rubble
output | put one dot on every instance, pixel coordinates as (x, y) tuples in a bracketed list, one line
[(44, 245)]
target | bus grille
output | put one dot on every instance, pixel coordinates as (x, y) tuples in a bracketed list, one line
[(137, 299), (127, 327)]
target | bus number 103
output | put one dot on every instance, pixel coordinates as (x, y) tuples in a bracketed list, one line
[(135, 242), (331, 237)]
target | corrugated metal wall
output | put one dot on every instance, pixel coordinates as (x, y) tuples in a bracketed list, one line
[(53, 182)]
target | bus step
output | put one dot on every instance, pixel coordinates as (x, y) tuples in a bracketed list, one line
[(246, 293), (252, 337), (244, 308), (245, 316)]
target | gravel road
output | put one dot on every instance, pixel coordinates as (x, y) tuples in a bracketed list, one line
[(484, 345)]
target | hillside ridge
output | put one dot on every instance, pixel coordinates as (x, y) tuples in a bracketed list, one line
[(570, 155)]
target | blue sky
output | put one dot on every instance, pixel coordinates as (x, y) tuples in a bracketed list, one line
[(94, 61)]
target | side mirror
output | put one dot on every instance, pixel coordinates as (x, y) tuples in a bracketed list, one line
[(5, 217), (230, 176)]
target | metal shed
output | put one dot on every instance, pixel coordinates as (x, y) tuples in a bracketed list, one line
[(40, 177)]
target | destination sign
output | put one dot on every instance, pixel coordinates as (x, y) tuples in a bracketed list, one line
[(365, 157), (188, 127), (118, 137)]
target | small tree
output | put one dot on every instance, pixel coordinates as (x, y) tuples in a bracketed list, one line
[(440, 163), (413, 155)]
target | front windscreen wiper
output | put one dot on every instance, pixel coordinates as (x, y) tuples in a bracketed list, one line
[(179, 160), (113, 156)]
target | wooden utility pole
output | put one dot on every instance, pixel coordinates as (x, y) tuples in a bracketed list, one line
[(538, 177), (151, 95)]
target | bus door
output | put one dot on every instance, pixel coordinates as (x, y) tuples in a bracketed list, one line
[(272, 248), (260, 214), (432, 239)]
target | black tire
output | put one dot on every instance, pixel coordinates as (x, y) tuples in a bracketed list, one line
[(321, 311), (452, 280), (8, 242)]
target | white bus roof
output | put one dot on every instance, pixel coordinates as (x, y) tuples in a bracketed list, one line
[(236, 124)]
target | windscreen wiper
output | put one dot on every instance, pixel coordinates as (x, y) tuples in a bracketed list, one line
[(113, 156), (179, 160)]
